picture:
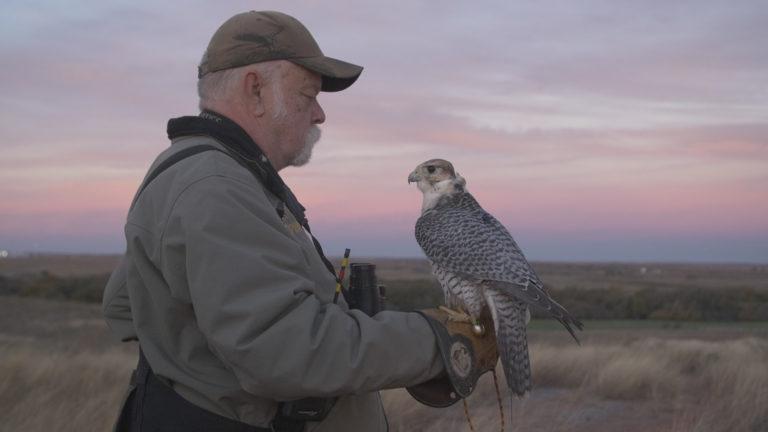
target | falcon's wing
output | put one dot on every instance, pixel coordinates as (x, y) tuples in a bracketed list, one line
[(465, 239)]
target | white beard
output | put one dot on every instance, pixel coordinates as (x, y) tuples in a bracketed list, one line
[(312, 137)]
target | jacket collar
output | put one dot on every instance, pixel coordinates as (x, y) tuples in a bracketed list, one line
[(241, 147)]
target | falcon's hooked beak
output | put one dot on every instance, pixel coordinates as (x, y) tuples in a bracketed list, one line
[(414, 177)]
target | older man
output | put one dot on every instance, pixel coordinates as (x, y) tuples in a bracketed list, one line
[(222, 283)]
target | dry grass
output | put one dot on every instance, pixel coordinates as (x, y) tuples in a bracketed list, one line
[(651, 384), (59, 370), (44, 391), (722, 385)]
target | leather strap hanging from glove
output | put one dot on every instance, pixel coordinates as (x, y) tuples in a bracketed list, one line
[(466, 355)]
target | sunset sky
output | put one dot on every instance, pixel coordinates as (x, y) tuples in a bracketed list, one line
[(594, 130)]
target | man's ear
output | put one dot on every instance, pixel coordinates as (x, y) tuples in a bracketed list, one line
[(254, 93)]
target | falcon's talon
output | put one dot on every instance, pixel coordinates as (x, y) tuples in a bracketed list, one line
[(456, 316)]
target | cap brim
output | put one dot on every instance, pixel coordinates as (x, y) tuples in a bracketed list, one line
[(337, 75)]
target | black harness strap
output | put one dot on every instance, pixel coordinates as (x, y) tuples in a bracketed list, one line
[(241, 147), (289, 200), (172, 159)]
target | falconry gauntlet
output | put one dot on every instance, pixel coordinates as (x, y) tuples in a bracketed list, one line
[(466, 355)]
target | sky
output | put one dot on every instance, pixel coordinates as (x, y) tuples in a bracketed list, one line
[(594, 130)]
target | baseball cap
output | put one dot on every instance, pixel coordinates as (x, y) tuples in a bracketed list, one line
[(258, 36)]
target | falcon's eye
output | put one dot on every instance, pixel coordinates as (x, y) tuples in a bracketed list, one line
[(430, 168)]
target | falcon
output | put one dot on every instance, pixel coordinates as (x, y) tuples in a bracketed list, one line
[(480, 267)]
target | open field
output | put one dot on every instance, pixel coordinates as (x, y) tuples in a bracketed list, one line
[(59, 366)]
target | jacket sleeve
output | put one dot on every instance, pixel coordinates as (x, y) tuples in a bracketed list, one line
[(256, 304), (116, 305)]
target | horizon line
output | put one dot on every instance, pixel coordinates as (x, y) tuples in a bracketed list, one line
[(13, 255)]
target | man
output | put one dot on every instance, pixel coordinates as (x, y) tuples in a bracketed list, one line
[(228, 293)]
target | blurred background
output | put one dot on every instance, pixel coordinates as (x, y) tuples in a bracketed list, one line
[(624, 145)]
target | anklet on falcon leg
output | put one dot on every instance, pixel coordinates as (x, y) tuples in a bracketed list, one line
[(477, 328)]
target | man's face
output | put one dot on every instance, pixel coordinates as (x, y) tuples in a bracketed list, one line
[(295, 112)]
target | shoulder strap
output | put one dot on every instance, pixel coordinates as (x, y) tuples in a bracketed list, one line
[(170, 161)]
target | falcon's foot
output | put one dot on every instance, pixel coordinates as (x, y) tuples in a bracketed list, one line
[(463, 317), (457, 316)]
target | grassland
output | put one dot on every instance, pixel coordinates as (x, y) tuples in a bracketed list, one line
[(60, 369), (59, 366)]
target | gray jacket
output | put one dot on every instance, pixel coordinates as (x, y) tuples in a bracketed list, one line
[(234, 307)]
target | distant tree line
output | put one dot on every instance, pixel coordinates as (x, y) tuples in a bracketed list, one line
[(46, 285), (686, 304)]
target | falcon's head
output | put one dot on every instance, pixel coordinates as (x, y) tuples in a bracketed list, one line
[(436, 178)]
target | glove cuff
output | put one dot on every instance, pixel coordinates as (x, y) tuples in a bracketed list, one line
[(461, 367)]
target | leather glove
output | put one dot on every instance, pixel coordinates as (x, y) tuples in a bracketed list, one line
[(466, 356)]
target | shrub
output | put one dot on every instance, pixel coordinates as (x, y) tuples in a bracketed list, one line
[(683, 304)]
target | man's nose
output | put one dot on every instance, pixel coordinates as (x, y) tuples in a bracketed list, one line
[(318, 116)]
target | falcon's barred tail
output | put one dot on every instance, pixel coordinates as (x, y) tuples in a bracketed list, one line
[(536, 295), (509, 318), (562, 315), (566, 322)]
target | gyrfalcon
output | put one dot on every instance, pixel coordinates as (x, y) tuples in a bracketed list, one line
[(480, 267)]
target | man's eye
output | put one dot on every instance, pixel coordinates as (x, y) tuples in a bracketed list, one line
[(431, 169)]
